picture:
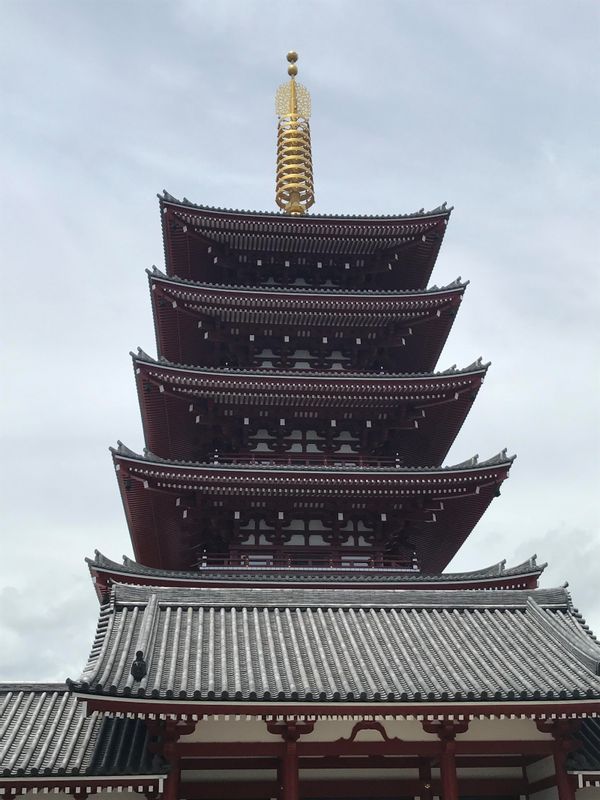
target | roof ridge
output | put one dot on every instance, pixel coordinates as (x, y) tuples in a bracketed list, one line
[(585, 650), (339, 598), (475, 366), (155, 272), (472, 463), (492, 571), (27, 686), (440, 210)]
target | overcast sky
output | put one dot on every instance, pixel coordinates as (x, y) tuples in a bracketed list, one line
[(491, 106)]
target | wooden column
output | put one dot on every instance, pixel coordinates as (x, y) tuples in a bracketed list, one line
[(447, 731), (566, 790), (290, 770), (167, 735), (171, 790), (425, 780), (563, 732), (287, 773)]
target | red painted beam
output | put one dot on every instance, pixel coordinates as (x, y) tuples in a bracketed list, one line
[(183, 708), (227, 763), (319, 749)]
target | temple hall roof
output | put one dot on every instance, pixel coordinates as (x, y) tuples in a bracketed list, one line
[(326, 645), (44, 731)]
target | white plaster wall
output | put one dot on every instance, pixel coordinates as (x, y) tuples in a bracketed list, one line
[(230, 730), (357, 775), (506, 729), (220, 775), (540, 769), (490, 772), (252, 729), (545, 794)]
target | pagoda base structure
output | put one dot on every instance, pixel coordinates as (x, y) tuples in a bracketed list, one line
[(287, 630)]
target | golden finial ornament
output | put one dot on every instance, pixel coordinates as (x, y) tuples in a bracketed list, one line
[(294, 190)]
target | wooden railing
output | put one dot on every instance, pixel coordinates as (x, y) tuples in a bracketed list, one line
[(304, 560), (306, 459)]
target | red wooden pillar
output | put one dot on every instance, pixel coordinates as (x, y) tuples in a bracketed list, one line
[(563, 732), (566, 791), (446, 731), (171, 790), (167, 735), (425, 780), (287, 773), (290, 770), (448, 769)]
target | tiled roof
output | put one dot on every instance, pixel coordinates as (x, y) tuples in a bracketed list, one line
[(356, 378), (442, 210), (129, 567), (44, 731), (295, 644), (501, 459), (324, 292), (217, 236)]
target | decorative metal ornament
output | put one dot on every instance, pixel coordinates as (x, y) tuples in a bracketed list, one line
[(294, 191)]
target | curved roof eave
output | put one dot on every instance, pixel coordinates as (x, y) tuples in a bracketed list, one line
[(129, 566), (442, 210), (476, 367), (470, 465), (326, 292)]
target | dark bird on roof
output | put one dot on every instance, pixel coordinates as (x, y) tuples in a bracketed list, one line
[(139, 669)]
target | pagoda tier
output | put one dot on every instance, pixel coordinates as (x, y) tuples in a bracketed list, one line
[(245, 247), (105, 572), (300, 327), (190, 414), (184, 514)]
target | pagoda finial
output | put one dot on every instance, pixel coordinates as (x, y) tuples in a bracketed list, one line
[(294, 190)]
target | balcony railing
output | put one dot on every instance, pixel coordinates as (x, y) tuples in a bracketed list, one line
[(307, 459), (303, 560)]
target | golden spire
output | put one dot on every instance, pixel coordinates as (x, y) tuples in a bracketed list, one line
[(294, 190)]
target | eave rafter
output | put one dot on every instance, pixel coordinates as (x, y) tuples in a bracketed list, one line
[(246, 386), (463, 479), (286, 304)]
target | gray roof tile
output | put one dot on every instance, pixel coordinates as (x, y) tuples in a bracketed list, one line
[(442, 210), (44, 731), (288, 644), (129, 567)]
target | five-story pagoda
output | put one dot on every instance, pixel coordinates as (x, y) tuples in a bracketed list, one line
[(293, 418), (285, 629)]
